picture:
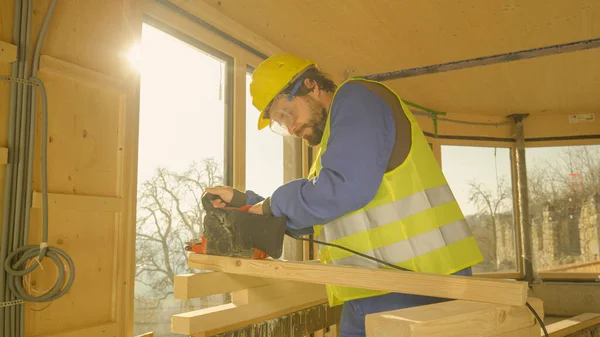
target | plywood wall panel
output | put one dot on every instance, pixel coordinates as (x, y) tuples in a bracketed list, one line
[(89, 238), (83, 132)]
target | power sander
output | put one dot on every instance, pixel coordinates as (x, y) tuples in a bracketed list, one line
[(235, 232)]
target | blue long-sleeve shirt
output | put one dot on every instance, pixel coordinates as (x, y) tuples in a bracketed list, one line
[(362, 136)]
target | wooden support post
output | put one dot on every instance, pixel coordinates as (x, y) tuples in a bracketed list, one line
[(445, 286), (457, 318)]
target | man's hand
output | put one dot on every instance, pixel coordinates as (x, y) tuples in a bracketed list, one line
[(257, 209), (225, 194)]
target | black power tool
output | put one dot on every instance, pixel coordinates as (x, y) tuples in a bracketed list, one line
[(234, 232)]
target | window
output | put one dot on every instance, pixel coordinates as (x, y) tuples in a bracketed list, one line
[(564, 207), (480, 178), (183, 118), (264, 152)]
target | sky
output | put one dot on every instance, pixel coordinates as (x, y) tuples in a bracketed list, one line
[(182, 115)]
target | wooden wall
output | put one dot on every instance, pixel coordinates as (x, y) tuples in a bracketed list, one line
[(92, 106)]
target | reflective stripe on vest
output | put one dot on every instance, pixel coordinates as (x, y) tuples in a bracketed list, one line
[(384, 214), (408, 249)]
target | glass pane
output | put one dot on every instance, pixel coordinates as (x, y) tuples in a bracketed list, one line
[(264, 152), (564, 207), (480, 178), (181, 151)]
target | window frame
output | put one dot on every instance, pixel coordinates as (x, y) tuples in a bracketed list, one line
[(564, 142), (437, 142), (534, 143)]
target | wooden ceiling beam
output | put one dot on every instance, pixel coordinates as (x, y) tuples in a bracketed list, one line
[(488, 60)]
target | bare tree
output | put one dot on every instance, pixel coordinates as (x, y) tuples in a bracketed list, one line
[(169, 214), (490, 204)]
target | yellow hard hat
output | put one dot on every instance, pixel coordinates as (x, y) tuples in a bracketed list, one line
[(271, 77)]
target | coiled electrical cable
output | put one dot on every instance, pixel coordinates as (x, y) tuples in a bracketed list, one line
[(15, 262)]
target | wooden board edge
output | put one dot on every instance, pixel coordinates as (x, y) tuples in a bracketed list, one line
[(57, 67), (444, 286), (78, 202)]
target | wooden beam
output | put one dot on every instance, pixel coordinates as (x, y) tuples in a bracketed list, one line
[(8, 52), (456, 318), (78, 202), (445, 286), (299, 323), (190, 286), (211, 321), (572, 325)]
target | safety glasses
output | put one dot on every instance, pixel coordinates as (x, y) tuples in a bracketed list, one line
[(281, 121)]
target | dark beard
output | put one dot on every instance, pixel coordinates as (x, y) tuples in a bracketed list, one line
[(316, 123)]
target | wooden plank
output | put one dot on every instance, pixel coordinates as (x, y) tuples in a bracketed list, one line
[(453, 318), (211, 321), (78, 202), (3, 155), (453, 287), (572, 325), (300, 323), (8, 52), (101, 330), (204, 284)]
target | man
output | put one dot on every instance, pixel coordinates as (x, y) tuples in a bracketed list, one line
[(375, 186)]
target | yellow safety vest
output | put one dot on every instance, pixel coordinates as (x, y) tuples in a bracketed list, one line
[(413, 221)]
